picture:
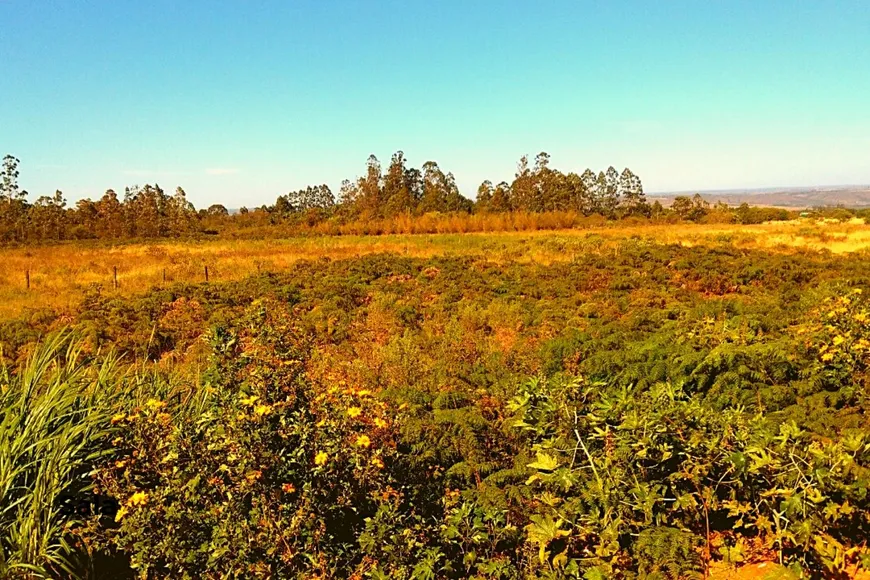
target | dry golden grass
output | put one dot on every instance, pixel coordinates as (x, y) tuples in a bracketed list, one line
[(60, 274)]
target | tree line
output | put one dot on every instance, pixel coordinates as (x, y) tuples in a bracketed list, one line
[(400, 190), (406, 190)]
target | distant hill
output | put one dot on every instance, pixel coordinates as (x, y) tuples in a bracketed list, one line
[(852, 196)]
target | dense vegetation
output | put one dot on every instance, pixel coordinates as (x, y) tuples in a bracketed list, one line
[(402, 199), (643, 410)]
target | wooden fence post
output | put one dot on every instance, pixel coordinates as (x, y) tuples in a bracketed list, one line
[(27, 276), (206, 273), (115, 277), (164, 275)]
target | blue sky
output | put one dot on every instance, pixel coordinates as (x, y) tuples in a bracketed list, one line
[(239, 101)]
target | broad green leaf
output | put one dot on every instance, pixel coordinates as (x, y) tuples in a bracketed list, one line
[(544, 462)]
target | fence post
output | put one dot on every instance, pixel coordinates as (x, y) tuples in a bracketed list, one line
[(27, 276), (115, 277), (164, 275), (206, 273)]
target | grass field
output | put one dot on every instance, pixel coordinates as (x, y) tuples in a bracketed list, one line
[(60, 274)]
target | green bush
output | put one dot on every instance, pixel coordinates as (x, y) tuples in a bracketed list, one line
[(258, 473)]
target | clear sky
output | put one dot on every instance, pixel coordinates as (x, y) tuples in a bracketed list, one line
[(239, 101)]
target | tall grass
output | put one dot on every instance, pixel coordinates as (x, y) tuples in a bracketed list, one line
[(54, 421)]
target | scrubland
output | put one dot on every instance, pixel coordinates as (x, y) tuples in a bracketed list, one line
[(60, 274), (631, 401)]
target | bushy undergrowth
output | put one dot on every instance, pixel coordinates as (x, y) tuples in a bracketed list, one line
[(375, 418)]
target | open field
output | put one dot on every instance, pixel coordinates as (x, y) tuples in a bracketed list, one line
[(59, 274), (616, 402), (355, 290)]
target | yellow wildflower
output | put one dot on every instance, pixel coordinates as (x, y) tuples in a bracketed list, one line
[(380, 423), (861, 317), (121, 513), (118, 418), (249, 401), (262, 410), (154, 404), (838, 340), (138, 498), (320, 458), (120, 464), (828, 356), (354, 412), (364, 393), (376, 461), (363, 441)]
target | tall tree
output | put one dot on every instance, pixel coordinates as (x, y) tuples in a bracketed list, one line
[(370, 190), (348, 199), (47, 217), (348, 192), (13, 202), (434, 189), (484, 196), (592, 200), (545, 185), (610, 194), (131, 193), (414, 185), (85, 219), (576, 193), (147, 212), (501, 198), (182, 214), (111, 213), (9, 174), (553, 192), (523, 193), (397, 198), (632, 199)]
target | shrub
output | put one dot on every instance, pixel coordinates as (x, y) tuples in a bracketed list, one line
[(259, 474)]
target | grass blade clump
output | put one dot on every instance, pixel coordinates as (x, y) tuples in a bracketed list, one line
[(54, 416)]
